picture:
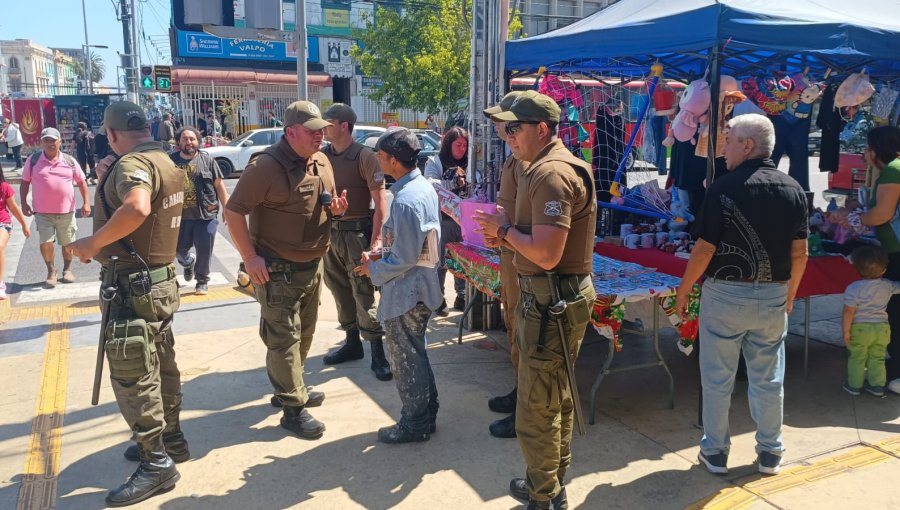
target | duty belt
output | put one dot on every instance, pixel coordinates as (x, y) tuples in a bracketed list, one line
[(286, 266), (540, 283), (157, 274), (358, 224)]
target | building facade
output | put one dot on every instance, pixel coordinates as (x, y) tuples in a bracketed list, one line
[(541, 16), (36, 71)]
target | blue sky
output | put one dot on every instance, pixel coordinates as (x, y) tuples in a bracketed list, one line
[(58, 23)]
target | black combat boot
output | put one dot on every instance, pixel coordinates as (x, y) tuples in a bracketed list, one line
[(300, 422), (351, 350), (315, 398), (155, 474), (538, 505), (379, 362), (505, 428), (504, 404), (175, 444), (518, 488)]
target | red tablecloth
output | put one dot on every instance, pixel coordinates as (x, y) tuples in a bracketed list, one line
[(824, 275)]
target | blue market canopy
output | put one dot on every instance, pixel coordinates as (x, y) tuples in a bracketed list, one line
[(624, 38)]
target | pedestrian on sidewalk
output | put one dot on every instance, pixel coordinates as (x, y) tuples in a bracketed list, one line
[(12, 135), (751, 245), (53, 174), (509, 279), (448, 168), (8, 206), (288, 191), (405, 271), (83, 147), (166, 132), (356, 169), (273, 121), (203, 191), (138, 206), (865, 323), (553, 239)]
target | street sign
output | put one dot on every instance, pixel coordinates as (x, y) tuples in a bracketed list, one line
[(147, 77), (163, 75)]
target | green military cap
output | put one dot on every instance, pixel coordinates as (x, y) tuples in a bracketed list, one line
[(503, 105), (530, 106), (305, 113), (341, 113), (123, 116)]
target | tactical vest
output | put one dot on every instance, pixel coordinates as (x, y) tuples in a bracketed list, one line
[(156, 239), (297, 228), (347, 176), (577, 257)]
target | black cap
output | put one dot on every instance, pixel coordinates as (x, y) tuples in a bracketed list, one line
[(400, 143)]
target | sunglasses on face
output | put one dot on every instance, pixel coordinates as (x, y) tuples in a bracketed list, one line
[(514, 127)]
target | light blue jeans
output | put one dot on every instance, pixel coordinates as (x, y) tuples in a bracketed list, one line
[(752, 317)]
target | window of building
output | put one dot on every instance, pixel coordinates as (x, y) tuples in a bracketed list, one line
[(13, 63), (15, 85)]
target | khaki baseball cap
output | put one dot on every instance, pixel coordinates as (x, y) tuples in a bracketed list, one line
[(503, 105), (341, 113), (306, 114), (123, 116), (530, 106), (50, 133)]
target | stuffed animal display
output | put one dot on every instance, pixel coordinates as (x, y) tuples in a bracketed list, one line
[(693, 108)]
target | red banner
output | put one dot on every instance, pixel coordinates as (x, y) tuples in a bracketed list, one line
[(28, 115)]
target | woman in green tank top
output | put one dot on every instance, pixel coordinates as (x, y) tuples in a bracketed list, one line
[(882, 151)]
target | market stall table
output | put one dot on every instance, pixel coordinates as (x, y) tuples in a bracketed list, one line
[(823, 276), (616, 284)]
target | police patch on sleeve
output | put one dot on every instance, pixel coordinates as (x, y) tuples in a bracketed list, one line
[(141, 175), (552, 208)]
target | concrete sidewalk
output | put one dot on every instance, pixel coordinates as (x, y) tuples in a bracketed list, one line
[(842, 451)]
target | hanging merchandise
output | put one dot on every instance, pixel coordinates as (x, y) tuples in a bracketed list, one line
[(855, 90), (609, 144), (768, 93), (693, 109), (561, 89), (800, 99), (884, 103), (729, 95), (831, 123), (648, 144)]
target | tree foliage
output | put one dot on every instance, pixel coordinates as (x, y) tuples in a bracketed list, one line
[(420, 52), (98, 67)]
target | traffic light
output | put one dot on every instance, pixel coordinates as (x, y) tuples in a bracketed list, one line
[(147, 77), (163, 78)]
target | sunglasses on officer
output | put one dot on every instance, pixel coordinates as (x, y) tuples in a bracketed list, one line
[(514, 127)]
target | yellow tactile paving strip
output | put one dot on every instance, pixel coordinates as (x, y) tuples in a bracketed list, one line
[(789, 478), (38, 489)]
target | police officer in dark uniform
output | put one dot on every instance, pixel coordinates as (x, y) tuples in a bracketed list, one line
[(553, 238), (137, 216), (356, 169), (288, 191)]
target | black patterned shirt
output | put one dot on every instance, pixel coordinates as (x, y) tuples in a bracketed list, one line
[(752, 215)]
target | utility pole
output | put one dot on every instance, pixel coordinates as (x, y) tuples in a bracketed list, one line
[(136, 57), (87, 59), (125, 15), (300, 28)]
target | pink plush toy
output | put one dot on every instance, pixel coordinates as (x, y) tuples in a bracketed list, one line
[(693, 109)]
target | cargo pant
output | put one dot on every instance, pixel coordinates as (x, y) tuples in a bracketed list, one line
[(509, 297), (289, 308), (545, 409), (354, 295), (151, 403)]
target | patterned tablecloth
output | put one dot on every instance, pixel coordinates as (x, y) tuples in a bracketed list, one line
[(617, 283)]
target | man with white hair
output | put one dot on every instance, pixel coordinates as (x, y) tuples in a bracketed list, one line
[(751, 247)]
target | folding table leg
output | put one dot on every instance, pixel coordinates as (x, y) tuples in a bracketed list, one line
[(603, 370), (462, 319), (659, 355)]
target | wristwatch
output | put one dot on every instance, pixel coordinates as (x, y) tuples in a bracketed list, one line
[(501, 232)]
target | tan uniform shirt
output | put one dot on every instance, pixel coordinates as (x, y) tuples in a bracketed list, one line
[(281, 192), (551, 192), (357, 171), (509, 182)]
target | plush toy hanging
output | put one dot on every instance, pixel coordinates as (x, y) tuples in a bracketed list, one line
[(729, 95), (693, 109), (854, 91)]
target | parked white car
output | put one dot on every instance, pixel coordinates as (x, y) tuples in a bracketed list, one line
[(234, 156)]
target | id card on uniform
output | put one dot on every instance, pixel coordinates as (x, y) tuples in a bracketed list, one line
[(429, 256)]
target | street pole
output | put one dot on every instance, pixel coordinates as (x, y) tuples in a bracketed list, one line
[(300, 45), (136, 58), (87, 60), (129, 50)]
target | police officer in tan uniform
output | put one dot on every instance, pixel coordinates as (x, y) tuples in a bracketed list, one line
[(356, 170), (137, 215), (555, 219), (288, 191), (509, 282)]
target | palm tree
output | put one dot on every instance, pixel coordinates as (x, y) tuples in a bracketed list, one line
[(98, 67)]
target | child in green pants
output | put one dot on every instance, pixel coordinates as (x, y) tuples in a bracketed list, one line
[(866, 329)]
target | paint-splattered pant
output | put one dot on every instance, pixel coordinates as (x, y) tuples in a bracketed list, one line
[(405, 341)]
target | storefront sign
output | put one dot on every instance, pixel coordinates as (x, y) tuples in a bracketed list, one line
[(337, 58), (390, 119), (202, 45), (370, 83), (337, 18)]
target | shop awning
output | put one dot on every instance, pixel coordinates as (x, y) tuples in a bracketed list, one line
[(187, 75)]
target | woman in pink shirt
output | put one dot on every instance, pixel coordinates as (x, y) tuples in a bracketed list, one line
[(8, 205)]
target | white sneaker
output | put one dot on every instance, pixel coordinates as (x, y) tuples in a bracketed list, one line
[(894, 386), (3, 295)]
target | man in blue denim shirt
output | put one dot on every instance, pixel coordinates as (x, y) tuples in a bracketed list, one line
[(406, 272)]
